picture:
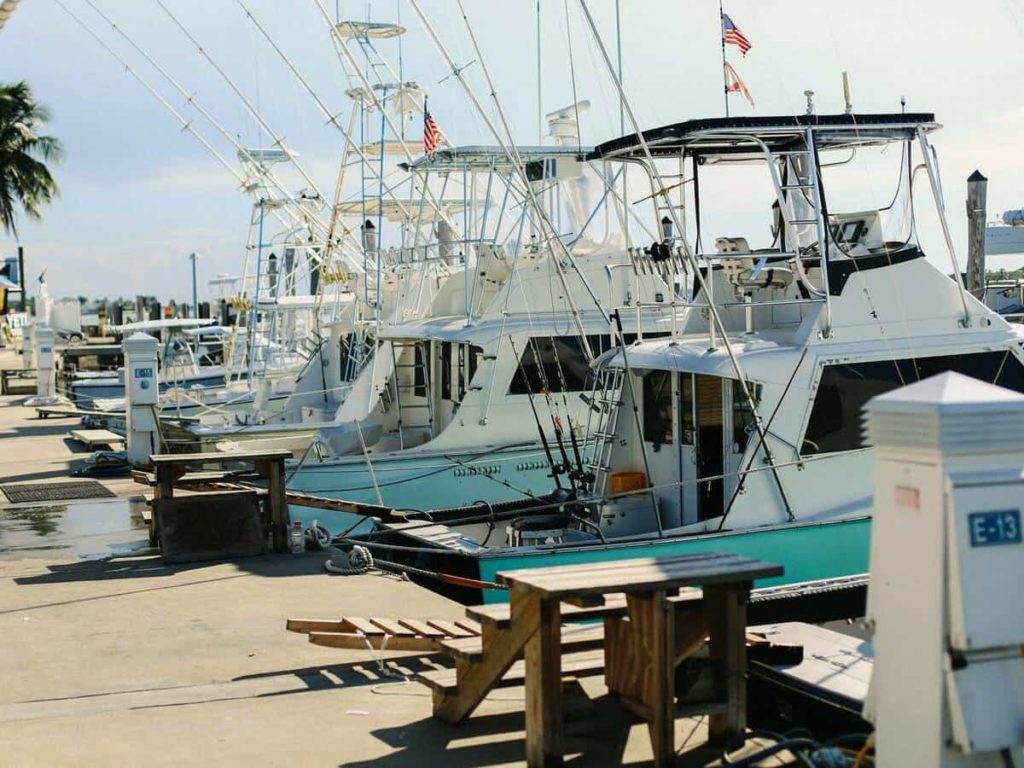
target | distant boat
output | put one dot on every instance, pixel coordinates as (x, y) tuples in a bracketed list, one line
[(1006, 235)]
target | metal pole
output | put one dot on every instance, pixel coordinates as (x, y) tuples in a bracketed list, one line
[(622, 125), (721, 34), (21, 274), (618, 45), (977, 193), (194, 257), (540, 110), (940, 209)]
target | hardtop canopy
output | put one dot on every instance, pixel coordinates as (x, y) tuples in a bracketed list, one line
[(710, 137)]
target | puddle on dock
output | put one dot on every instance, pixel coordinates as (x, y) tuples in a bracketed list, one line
[(73, 529)]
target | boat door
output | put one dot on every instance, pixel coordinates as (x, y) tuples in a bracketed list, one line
[(660, 444), (687, 449), (709, 403)]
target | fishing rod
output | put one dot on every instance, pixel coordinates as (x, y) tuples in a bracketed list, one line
[(556, 422), (555, 468)]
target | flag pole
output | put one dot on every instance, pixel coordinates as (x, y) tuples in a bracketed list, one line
[(721, 34)]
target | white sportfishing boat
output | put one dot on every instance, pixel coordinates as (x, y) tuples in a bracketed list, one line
[(450, 409), (742, 431)]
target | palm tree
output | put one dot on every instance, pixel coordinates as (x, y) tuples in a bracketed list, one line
[(25, 179)]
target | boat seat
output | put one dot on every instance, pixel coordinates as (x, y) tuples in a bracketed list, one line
[(740, 272)]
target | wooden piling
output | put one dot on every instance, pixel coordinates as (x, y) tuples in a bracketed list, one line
[(976, 199)]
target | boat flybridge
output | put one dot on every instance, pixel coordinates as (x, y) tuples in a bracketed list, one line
[(741, 431)]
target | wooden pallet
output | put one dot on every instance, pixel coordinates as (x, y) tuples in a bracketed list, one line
[(421, 635)]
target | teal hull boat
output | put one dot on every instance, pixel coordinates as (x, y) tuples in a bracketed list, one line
[(810, 551)]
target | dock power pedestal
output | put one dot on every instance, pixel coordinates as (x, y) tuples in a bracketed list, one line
[(46, 369), (142, 390), (946, 597)]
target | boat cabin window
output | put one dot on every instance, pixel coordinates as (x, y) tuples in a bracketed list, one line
[(351, 352), (658, 407), (421, 373), (742, 415), (835, 422), (469, 359), (446, 370), (555, 363), (551, 361), (687, 424)]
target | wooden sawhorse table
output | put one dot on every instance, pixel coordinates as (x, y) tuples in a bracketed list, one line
[(269, 465), (641, 649)]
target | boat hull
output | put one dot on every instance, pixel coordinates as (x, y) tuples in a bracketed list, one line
[(807, 552), (409, 480)]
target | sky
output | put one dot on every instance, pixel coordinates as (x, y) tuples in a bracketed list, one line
[(138, 193)]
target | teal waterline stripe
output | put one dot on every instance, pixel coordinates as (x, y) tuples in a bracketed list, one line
[(806, 552)]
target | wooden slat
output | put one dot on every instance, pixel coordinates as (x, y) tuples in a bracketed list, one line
[(393, 627), (357, 624), (421, 628), (469, 625), (377, 642), (449, 628), (315, 625)]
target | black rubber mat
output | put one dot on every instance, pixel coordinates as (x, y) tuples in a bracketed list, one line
[(22, 493)]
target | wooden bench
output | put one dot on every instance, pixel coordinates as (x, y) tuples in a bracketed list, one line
[(657, 628)]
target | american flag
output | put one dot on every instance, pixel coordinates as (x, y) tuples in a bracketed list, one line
[(733, 84), (431, 133), (731, 35)]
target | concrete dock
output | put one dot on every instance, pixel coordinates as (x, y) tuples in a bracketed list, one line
[(110, 657)]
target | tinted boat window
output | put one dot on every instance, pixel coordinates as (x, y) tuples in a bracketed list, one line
[(421, 374), (742, 415), (446, 370), (556, 363), (543, 356), (835, 423), (658, 407)]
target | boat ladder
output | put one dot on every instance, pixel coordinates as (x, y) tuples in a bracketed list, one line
[(602, 422)]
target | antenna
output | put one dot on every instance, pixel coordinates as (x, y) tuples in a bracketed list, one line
[(809, 95), (903, 103), (846, 93)]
